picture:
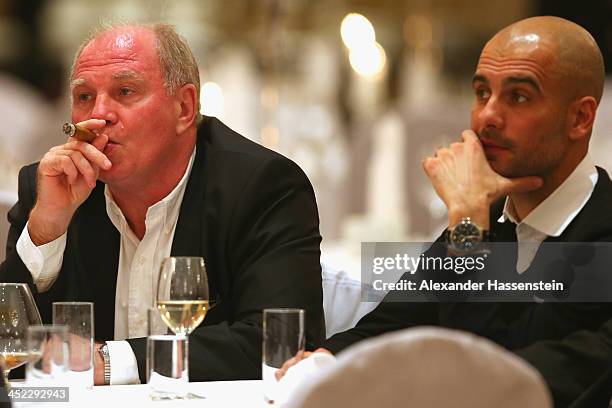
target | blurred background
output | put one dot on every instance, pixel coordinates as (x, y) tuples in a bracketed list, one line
[(356, 92)]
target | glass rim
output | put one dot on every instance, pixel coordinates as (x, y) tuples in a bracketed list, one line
[(167, 337), (71, 303), (184, 257), (284, 310), (14, 284), (47, 327)]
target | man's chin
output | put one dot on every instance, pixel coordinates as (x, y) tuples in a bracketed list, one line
[(503, 169)]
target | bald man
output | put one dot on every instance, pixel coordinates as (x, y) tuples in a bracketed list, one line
[(521, 174)]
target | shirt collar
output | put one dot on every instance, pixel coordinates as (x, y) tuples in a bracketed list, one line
[(557, 211), (167, 206)]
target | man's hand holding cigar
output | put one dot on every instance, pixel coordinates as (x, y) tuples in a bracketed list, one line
[(66, 176)]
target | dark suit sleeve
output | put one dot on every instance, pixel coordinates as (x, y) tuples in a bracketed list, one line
[(388, 316), (13, 268), (273, 258), (581, 361), (392, 313)]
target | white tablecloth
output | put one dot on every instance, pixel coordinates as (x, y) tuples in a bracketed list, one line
[(218, 394)]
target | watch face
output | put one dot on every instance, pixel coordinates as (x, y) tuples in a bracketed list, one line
[(465, 236)]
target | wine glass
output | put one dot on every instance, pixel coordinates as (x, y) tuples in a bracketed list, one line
[(182, 293), (17, 312)]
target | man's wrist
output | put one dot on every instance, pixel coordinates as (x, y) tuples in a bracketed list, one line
[(104, 353), (479, 214), (44, 229), (100, 374)]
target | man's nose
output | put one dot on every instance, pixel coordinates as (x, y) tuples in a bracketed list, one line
[(492, 114), (104, 109)]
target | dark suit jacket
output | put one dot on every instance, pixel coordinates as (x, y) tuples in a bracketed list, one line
[(568, 366), (250, 212)]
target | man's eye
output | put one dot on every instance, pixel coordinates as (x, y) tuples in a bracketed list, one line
[(482, 93), (84, 97), (125, 91), (520, 98)]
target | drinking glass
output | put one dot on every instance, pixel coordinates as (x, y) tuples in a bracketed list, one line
[(168, 366), (182, 293), (17, 312), (283, 338), (48, 355), (79, 319)]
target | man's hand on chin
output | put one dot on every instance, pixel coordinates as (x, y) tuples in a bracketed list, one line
[(464, 180)]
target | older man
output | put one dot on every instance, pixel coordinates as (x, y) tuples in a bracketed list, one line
[(521, 174), (95, 220)]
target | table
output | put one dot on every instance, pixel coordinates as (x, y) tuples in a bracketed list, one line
[(217, 393)]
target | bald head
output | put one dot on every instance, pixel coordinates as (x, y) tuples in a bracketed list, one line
[(571, 52)]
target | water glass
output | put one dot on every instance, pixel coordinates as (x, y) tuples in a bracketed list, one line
[(283, 338), (48, 355), (78, 317), (168, 366)]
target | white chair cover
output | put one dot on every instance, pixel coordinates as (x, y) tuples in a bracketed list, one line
[(426, 367)]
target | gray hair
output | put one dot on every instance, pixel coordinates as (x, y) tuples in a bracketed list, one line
[(177, 63)]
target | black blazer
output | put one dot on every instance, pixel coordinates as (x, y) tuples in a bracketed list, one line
[(578, 368), (520, 325), (250, 212)]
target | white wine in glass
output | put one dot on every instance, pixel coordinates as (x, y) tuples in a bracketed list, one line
[(182, 293), (182, 316), (17, 312)]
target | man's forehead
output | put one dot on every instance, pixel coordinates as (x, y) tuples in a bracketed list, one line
[(128, 43), (527, 56)]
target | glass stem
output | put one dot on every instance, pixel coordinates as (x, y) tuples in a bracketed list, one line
[(7, 384)]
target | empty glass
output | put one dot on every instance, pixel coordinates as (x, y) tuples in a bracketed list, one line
[(283, 338), (48, 355), (78, 317), (168, 366)]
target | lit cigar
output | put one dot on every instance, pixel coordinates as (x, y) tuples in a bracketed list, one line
[(72, 130)]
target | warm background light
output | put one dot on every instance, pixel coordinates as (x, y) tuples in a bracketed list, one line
[(368, 59), (211, 100), (356, 30)]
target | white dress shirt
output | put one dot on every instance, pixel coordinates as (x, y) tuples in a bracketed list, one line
[(138, 269), (552, 216)]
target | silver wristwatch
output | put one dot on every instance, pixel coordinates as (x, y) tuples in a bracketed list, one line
[(106, 356), (467, 237)]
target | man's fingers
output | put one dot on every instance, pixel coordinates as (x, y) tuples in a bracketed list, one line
[(92, 124), (84, 167), (91, 153), (521, 185), (280, 373), (100, 142), (72, 163), (469, 136), (65, 165)]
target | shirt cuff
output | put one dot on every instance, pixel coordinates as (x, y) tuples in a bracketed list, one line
[(124, 368), (43, 262)]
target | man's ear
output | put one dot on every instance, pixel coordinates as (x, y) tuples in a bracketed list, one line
[(581, 117), (187, 107)]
